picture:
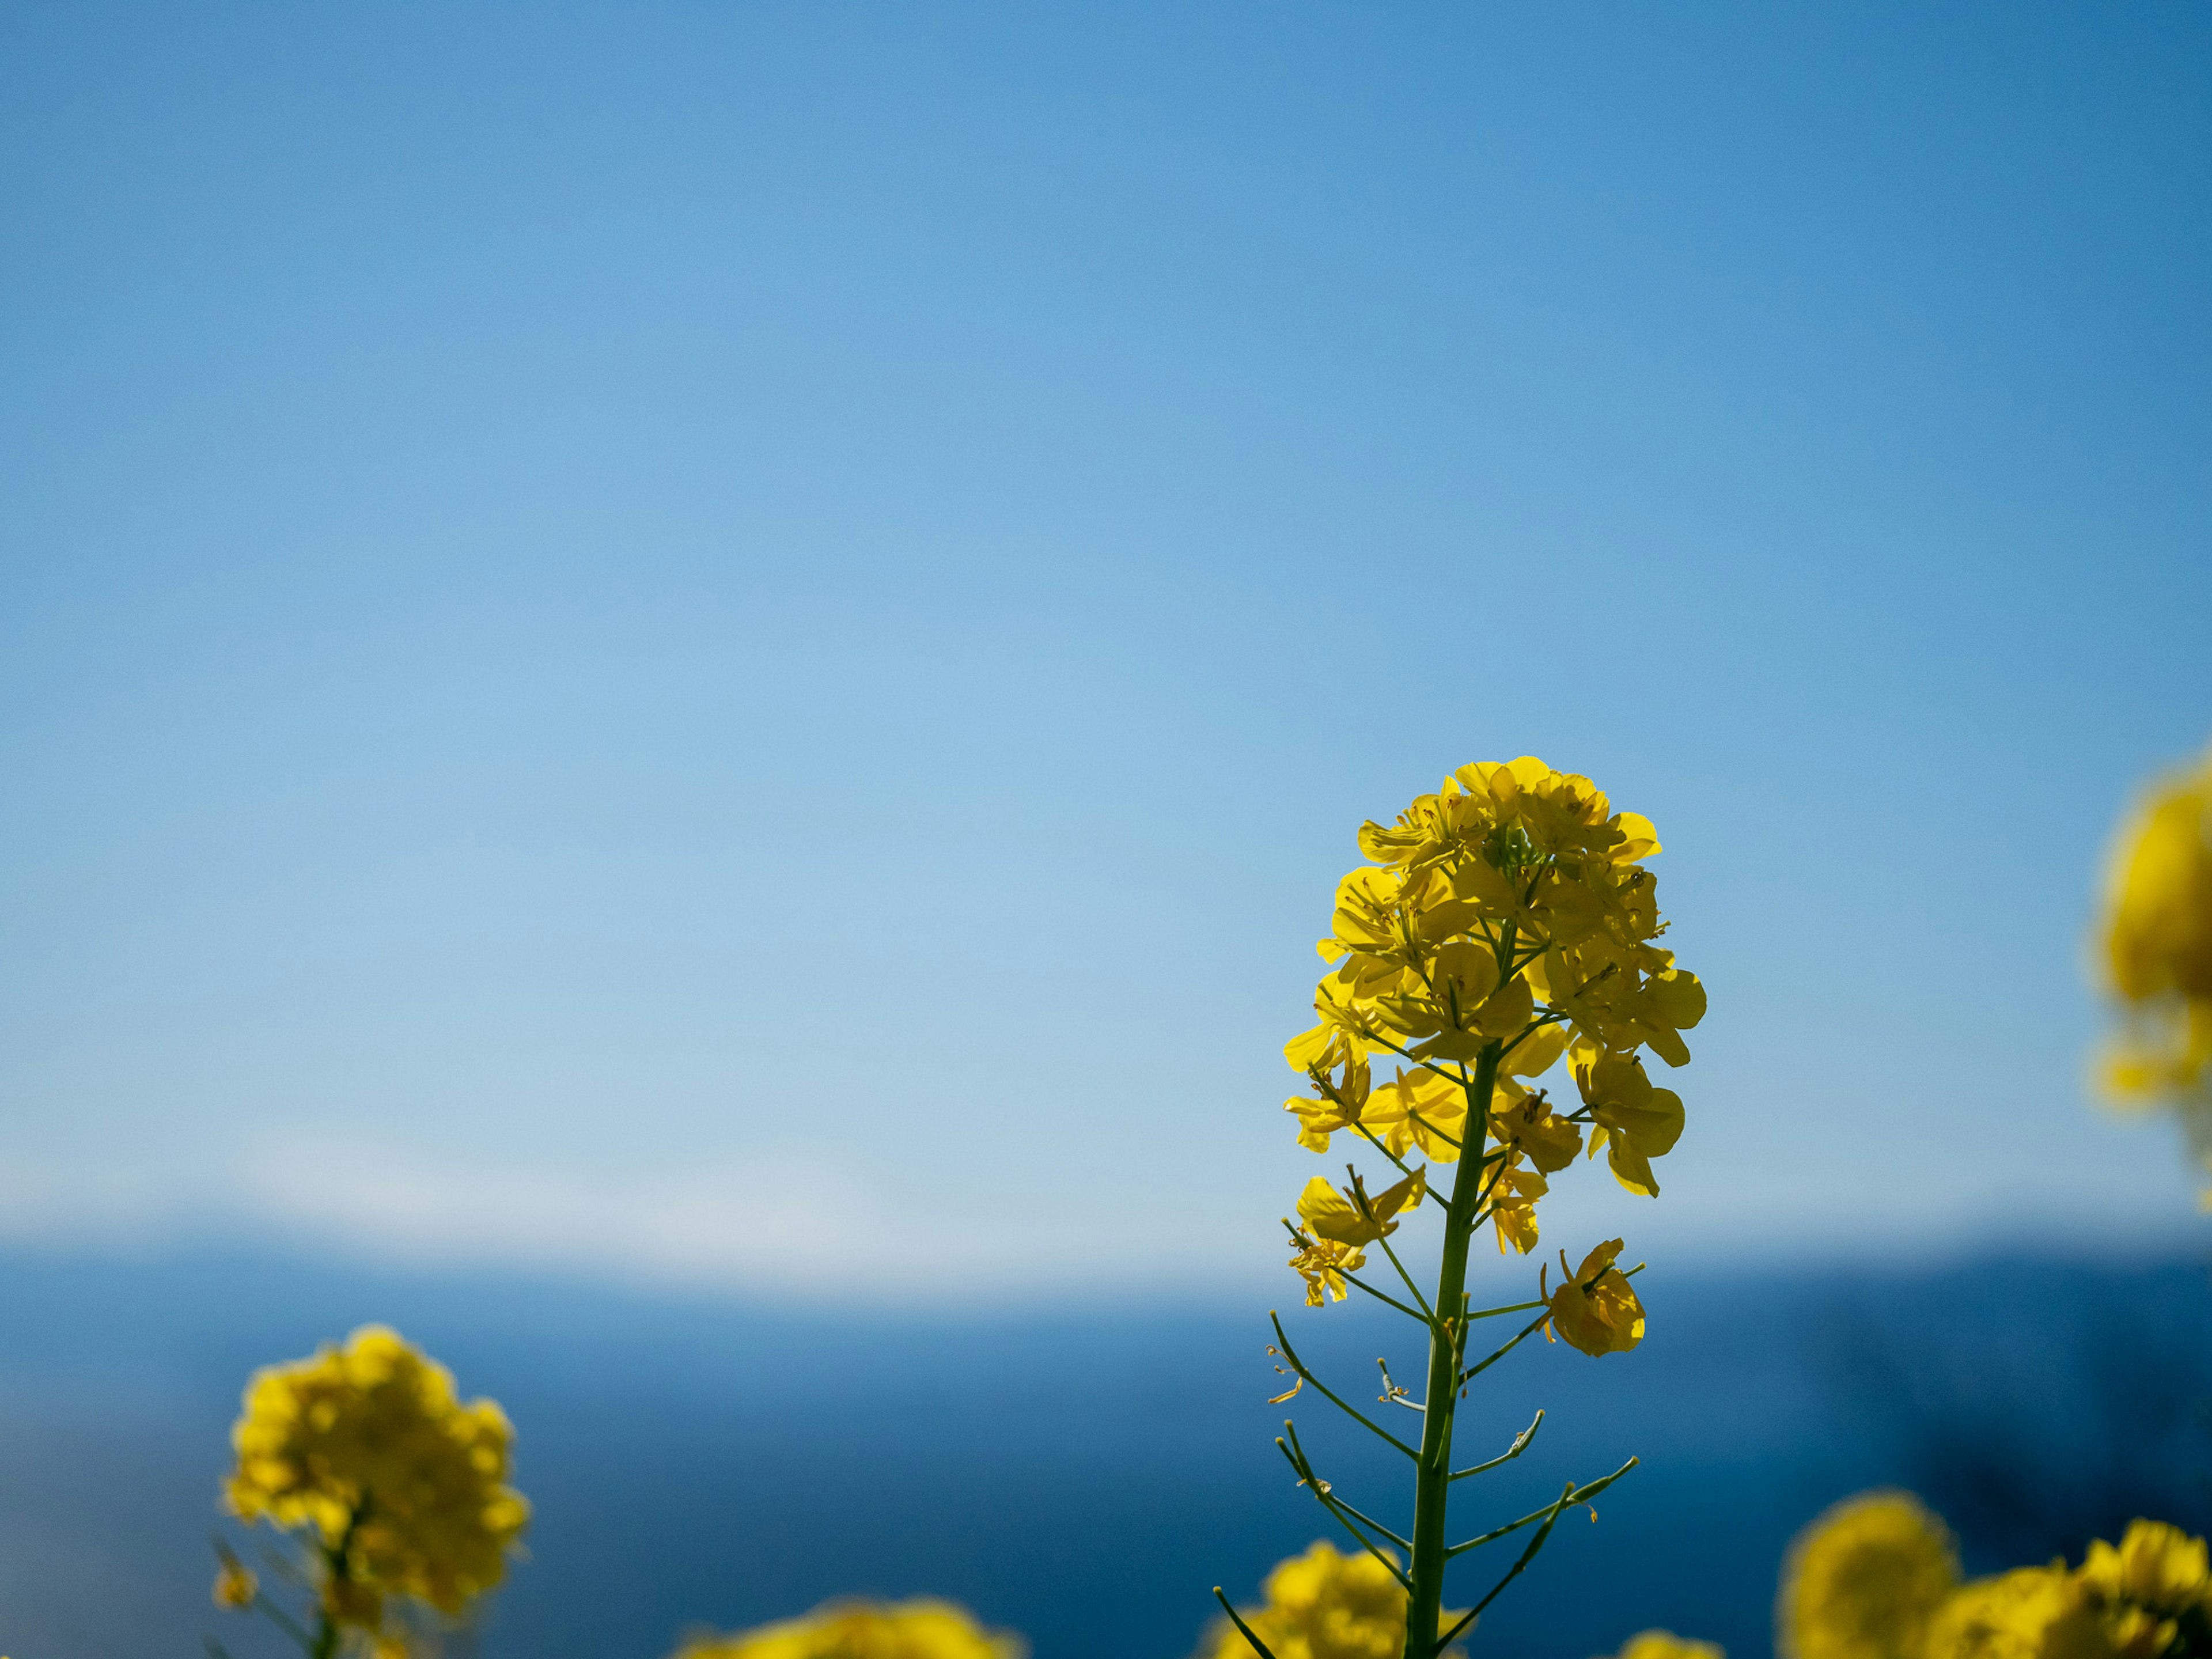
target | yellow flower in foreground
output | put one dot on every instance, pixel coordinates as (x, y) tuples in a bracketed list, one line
[(922, 1629), (2032, 1612), (235, 1586), (2156, 1566), (403, 1484), (1596, 1310), (1863, 1580), (1665, 1644), (1321, 1604)]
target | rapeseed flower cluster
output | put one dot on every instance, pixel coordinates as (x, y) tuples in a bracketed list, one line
[(922, 1629), (1321, 1604), (1877, 1578), (1863, 1580), (1508, 914), (398, 1487), (1503, 932), (2155, 953)]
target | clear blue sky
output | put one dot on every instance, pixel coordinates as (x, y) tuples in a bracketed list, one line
[(745, 641)]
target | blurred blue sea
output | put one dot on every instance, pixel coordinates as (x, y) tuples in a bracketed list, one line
[(1079, 1476)]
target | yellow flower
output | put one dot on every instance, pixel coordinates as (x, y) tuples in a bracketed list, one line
[(1512, 886), (1322, 1605), (1340, 1087), (920, 1629), (2031, 1613), (1512, 1206), (1335, 1230), (1665, 1644), (1863, 1579), (1421, 1108), (235, 1586), (1596, 1310), (368, 1446), (2156, 1566), (1322, 1264), (2155, 939), (1634, 1121), (1331, 1214)]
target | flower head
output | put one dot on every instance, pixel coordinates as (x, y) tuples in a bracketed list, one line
[(1503, 919), (1321, 1604), (2031, 1613), (1863, 1579), (401, 1484), (922, 1629), (1595, 1309), (2156, 1566)]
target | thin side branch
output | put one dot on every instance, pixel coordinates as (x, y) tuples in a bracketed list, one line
[(1573, 1496), (1299, 1366), (1520, 1444), (1258, 1646), (1323, 1489)]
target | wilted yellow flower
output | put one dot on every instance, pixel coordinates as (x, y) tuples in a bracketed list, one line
[(1322, 1264), (235, 1586), (920, 1629), (1665, 1644), (2156, 1566), (1863, 1580), (1512, 1206), (404, 1485), (1596, 1310), (1321, 1604)]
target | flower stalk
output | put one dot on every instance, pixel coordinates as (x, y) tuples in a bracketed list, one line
[(1504, 925)]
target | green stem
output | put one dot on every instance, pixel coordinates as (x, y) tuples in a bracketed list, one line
[(1447, 1342)]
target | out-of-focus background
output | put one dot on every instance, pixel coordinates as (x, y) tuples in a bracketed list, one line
[(680, 689)]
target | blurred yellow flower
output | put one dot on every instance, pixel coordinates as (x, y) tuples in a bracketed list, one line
[(920, 1629), (235, 1586), (403, 1484), (1320, 1605), (2155, 939), (1863, 1579), (1665, 1644), (2156, 1566), (1596, 1310), (2031, 1613)]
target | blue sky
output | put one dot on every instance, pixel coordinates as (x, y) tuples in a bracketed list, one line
[(744, 642)]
